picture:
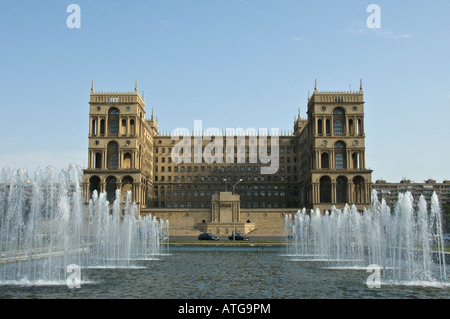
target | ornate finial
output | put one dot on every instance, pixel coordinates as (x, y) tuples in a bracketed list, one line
[(152, 113), (309, 96), (143, 95), (135, 87), (299, 116), (92, 86), (360, 85), (315, 86)]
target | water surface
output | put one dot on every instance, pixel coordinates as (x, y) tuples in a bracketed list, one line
[(238, 273)]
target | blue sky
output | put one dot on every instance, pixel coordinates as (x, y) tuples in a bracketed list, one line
[(229, 63)]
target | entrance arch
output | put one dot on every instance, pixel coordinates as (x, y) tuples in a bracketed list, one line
[(341, 189), (111, 187), (325, 189), (127, 185), (94, 185)]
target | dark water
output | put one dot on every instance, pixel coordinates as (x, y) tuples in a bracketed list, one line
[(244, 273)]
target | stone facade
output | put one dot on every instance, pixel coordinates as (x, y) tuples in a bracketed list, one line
[(319, 164)]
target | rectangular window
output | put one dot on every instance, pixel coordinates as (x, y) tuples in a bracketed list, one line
[(338, 129), (114, 127), (339, 161)]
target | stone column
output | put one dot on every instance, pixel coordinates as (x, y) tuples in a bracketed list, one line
[(104, 159), (350, 191), (333, 191), (315, 193)]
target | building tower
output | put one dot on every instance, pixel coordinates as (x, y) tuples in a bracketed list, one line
[(334, 171), (120, 146)]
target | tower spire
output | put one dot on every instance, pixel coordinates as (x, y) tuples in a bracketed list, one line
[(135, 87), (92, 86), (315, 86), (360, 85)]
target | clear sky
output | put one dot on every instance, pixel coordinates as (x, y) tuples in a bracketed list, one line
[(231, 64)]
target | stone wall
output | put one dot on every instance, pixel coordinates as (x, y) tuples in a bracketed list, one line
[(187, 222)]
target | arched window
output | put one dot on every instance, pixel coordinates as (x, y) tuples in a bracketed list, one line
[(111, 187), (98, 160), (339, 120), (340, 161), (338, 111), (359, 129), (113, 111), (341, 189), (127, 161), (113, 121), (328, 127), (325, 160), (113, 155), (351, 127), (325, 189), (124, 127), (355, 160), (127, 186), (132, 129), (102, 127), (94, 127), (319, 127), (94, 185)]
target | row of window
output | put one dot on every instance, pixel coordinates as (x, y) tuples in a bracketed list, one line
[(243, 194), (235, 160), (240, 150), (340, 125), (239, 140), (342, 196), (112, 158), (177, 204), (340, 158), (114, 127), (273, 178), (215, 169)]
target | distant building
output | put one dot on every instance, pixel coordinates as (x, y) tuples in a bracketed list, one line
[(319, 164), (389, 191)]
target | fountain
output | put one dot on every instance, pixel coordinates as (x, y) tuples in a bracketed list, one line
[(45, 227), (402, 243), (120, 237)]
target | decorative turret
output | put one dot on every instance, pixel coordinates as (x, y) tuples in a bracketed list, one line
[(299, 124), (153, 123)]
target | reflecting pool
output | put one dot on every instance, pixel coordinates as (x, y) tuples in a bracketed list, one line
[(224, 273)]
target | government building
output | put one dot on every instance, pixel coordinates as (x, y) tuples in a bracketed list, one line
[(218, 182)]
